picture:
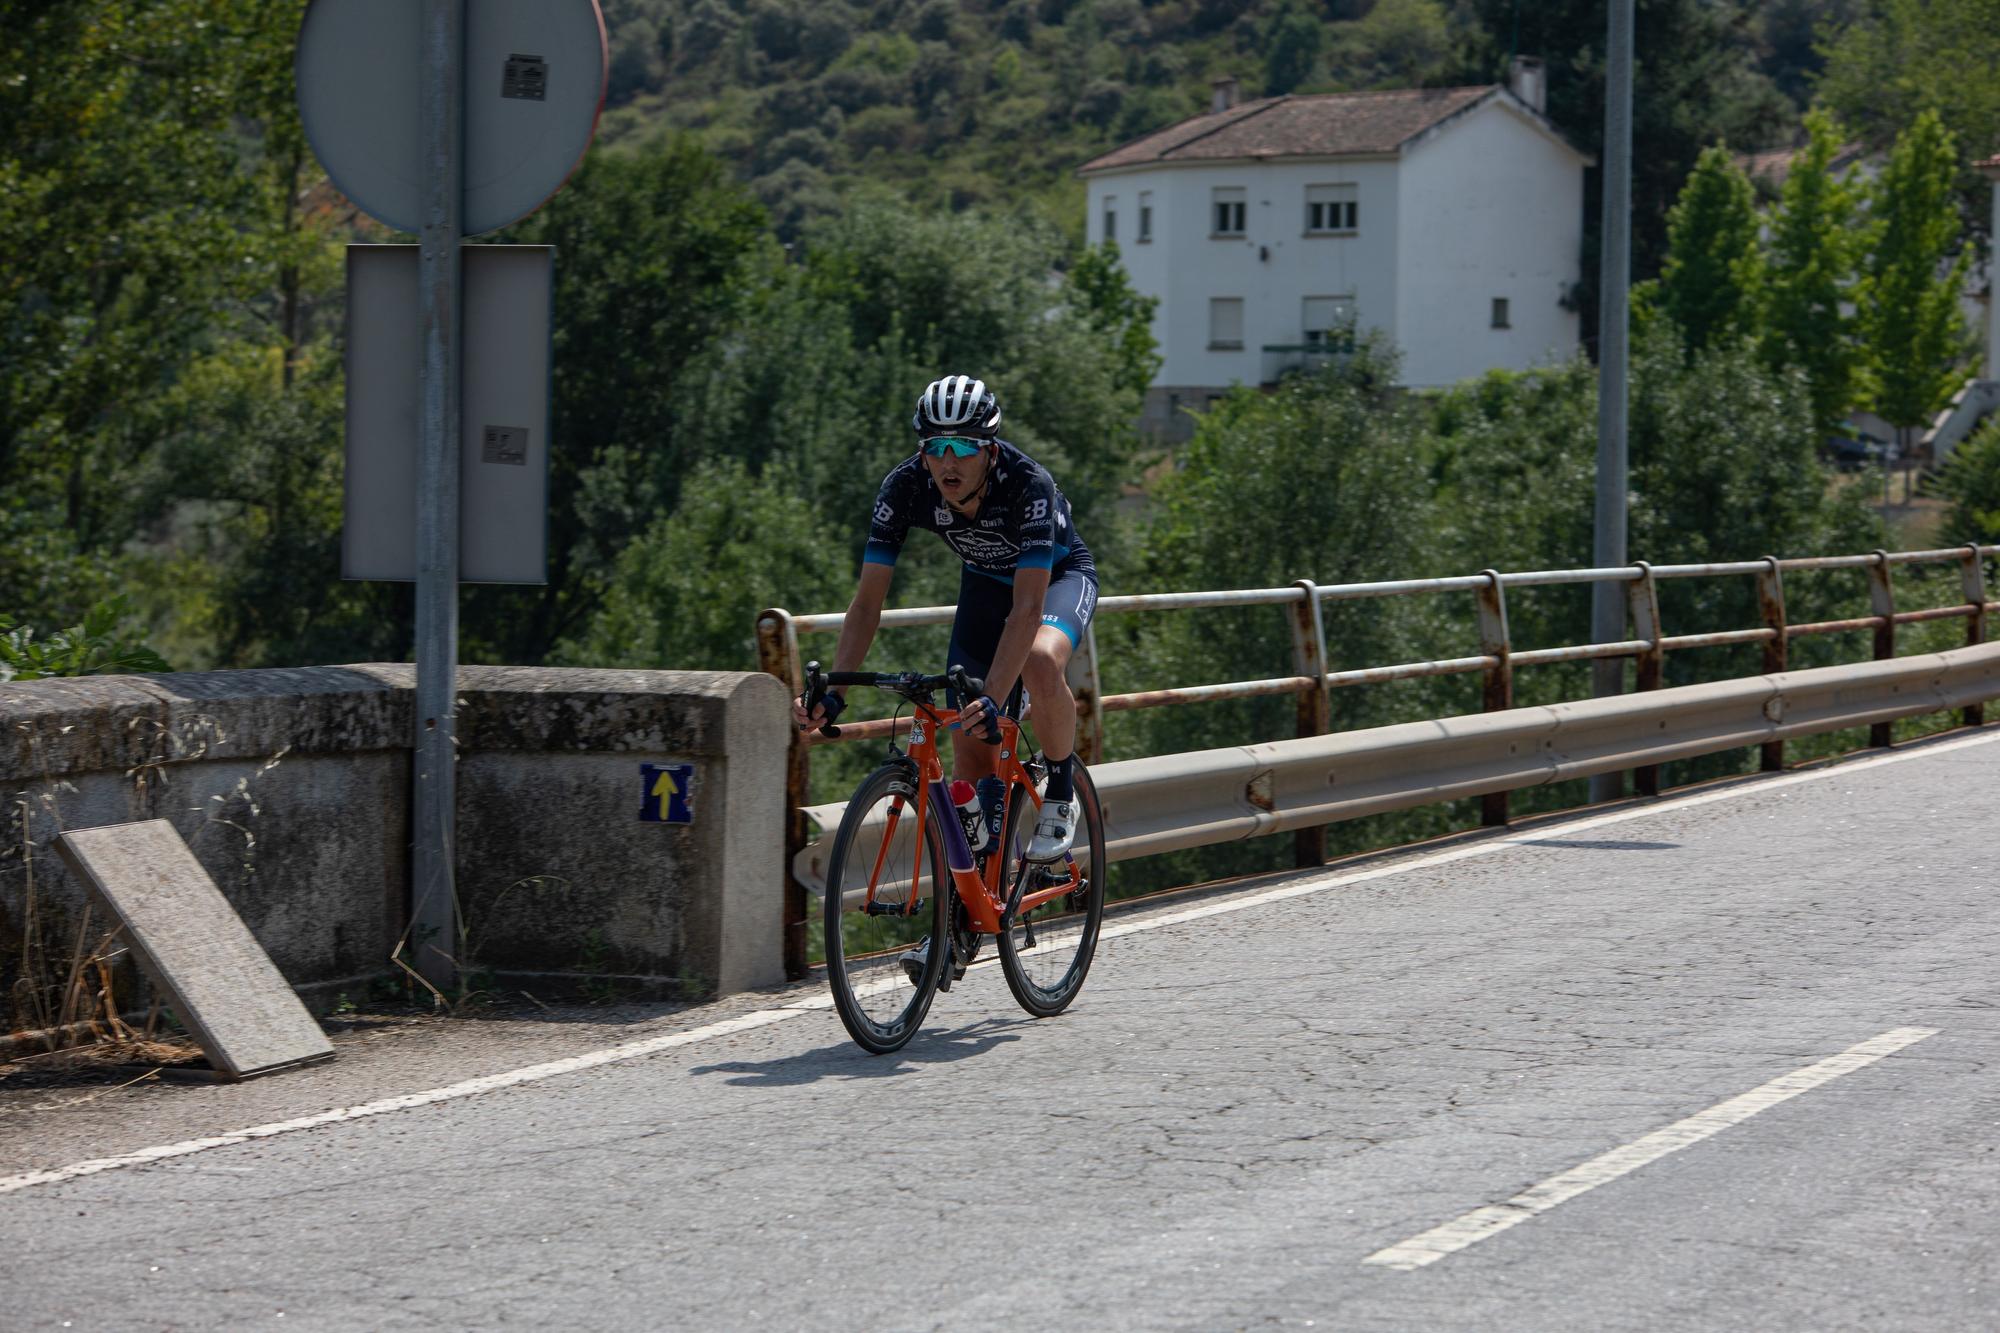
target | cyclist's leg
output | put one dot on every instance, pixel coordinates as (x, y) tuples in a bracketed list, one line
[(1067, 609), (1066, 613), (983, 607)]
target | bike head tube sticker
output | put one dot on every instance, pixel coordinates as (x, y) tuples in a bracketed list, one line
[(665, 793)]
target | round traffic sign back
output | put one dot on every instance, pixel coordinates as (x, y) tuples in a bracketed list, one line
[(534, 77)]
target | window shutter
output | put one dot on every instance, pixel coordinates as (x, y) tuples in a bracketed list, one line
[(1225, 321)]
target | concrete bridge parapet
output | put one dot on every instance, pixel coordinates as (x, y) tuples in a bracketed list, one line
[(292, 786)]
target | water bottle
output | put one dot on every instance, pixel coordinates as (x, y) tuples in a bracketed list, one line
[(992, 795), (966, 799)]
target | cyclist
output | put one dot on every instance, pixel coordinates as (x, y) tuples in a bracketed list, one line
[(1025, 595)]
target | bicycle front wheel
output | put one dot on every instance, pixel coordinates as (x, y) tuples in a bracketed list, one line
[(1046, 949), (887, 892)]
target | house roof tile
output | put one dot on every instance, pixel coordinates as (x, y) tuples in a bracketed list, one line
[(1322, 125)]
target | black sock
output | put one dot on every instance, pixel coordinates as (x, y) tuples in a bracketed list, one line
[(1061, 786)]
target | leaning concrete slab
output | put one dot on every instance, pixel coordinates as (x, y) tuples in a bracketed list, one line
[(195, 948)]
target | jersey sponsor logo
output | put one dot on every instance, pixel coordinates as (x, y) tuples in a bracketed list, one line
[(883, 513), (996, 521), (980, 545), (1037, 511), (943, 516)]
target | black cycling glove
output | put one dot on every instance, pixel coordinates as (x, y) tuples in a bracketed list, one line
[(832, 704), (988, 728)]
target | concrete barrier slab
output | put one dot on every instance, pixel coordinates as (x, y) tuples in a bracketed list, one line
[(195, 948)]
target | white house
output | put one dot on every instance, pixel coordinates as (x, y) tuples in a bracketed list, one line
[(1450, 219)]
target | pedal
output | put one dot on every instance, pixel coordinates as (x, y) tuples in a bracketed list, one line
[(893, 909)]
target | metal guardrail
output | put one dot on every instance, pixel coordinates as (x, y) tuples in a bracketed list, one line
[(1172, 802), (1311, 684)]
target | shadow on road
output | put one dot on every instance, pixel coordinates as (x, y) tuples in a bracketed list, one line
[(843, 1059)]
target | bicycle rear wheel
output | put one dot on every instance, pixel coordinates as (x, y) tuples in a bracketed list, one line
[(885, 894), (1046, 951)]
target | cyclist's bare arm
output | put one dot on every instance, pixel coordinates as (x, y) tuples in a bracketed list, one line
[(857, 631), (1031, 587)]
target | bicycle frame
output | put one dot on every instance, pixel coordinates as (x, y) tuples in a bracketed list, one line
[(980, 891)]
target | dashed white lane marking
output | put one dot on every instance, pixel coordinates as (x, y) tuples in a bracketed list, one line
[(764, 1017), (1481, 1223)]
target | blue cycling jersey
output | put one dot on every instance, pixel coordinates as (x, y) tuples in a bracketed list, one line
[(1023, 521)]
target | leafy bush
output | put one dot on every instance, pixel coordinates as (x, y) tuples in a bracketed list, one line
[(1971, 481), (101, 646)]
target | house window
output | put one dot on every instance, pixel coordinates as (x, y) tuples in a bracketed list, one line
[(1332, 210), (1145, 216), (1225, 323), (1500, 313), (1228, 210), (1328, 323), (1110, 218)]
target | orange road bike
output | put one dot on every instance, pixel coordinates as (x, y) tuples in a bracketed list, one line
[(902, 873)]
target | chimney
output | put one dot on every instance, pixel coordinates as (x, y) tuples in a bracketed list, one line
[(1528, 79), (1225, 93)]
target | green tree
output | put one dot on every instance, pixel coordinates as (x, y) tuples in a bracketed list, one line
[(1724, 464), (686, 593), (1897, 59), (1971, 481), (1101, 292), (820, 374), (128, 236), (1810, 272), (1396, 44), (1293, 40), (1913, 276), (1711, 284), (655, 251)]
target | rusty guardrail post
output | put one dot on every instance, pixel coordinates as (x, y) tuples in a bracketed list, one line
[(1315, 707), (1972, 582), (1777, 649), (1644, 599), (1882, 603), (778, 654), (1499, 678), (1088, 687)]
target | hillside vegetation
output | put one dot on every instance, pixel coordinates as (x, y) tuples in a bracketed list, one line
[(991, 102)]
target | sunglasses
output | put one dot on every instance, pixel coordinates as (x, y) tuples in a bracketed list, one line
[(956, 445)]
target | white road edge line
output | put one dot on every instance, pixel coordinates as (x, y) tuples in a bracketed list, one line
[(1480, 1223), (529, 1074), (764, 1017)]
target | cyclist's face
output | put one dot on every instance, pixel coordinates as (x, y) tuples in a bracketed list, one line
[(958, 479)]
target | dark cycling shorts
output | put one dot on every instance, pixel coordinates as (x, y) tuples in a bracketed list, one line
[(983, 607)]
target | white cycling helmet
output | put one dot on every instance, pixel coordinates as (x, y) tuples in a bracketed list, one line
[(958, 405)]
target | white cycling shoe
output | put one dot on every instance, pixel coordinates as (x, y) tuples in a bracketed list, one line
[(1055, 831)]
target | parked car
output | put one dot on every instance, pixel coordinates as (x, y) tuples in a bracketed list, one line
[(1852, 455)]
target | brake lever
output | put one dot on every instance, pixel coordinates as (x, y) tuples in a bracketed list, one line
[(816, 691)]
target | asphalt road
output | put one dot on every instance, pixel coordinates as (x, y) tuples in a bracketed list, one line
[(1255, 1094)]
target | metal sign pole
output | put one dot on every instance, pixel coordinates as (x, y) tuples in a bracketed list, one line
[(433, 909), (1607, 605)]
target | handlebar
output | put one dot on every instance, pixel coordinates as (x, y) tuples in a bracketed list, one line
[(912, 685)]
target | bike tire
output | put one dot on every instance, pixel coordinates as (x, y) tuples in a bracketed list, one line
[(1047, 954), (878, 1004)]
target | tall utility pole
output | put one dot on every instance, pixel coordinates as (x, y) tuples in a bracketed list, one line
[(1608, 600), (433, 906)]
